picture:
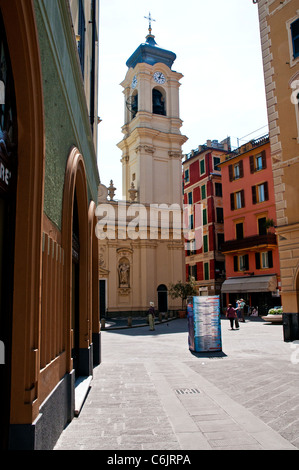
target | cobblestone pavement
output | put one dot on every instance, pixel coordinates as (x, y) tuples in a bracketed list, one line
[(152, 393)]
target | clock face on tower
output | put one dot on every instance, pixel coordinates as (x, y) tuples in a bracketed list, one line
[(159, 77), (134, 82)]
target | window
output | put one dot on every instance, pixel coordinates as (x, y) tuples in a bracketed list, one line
[(295, 38), (264, 260), (236, 171), (187, 176), (191, 222), (218, 189), (81, 35), (216, 161), (205, 244), (219, 215), (258, 162), (203, 192), (206, 271), (241, 263), (262, 226), (220, 240), (204, 217), (190, 198), (260, 193), (192, 247), (237, 200), (202, 167), (193, 272), (239, 231)]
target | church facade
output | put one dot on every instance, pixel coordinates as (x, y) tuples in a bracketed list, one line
[(145, 252)]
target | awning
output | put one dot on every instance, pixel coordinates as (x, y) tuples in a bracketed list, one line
[(250, 284)]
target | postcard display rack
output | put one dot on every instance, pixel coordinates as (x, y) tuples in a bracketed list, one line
[(204, 324)]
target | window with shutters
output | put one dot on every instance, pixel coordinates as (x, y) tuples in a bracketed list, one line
[(258, 162), (203, 192), (237, 200), (206, 271), (241, 263), (204, 217), (264, 260), (260, 193), (236, 171), (202, 167), (205, 244)]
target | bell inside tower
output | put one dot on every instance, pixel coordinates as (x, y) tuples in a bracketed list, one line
[(158, 103)]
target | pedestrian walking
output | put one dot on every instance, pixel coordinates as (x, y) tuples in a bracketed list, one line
[(232, 316), (151, 316)]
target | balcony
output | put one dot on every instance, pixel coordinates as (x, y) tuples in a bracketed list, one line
[(250, 243)]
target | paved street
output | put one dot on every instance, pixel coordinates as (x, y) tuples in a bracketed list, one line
[(152, 393)]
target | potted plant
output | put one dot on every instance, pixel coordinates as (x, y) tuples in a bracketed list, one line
[(183, 290), (269, 225), (274, 315)]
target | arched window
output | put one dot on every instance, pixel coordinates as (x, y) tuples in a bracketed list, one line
[(159, 102)]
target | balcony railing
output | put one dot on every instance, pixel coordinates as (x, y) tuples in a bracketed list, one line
[(249, 243)]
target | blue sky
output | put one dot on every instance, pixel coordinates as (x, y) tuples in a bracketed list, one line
[(217, 43)]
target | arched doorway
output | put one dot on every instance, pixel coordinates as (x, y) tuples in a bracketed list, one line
[(78, 254), (162, 298)]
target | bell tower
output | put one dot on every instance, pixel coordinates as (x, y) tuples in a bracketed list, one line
[(151, 147), (142, 264)]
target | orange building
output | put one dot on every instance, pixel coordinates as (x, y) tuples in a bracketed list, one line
[(250, 247)]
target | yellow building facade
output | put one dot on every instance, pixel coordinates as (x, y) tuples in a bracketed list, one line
[(141, 257), (279, 29)]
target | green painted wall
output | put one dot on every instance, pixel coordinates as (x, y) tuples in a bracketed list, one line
[(66, 115)]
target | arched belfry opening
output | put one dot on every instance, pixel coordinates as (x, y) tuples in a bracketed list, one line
[(159, 102)]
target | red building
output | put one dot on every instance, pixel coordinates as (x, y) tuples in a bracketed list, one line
[(203, 195), (250, 247)]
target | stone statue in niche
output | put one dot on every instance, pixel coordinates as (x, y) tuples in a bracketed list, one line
[(124, 274)]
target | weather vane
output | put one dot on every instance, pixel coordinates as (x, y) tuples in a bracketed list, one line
[(150, 19)]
